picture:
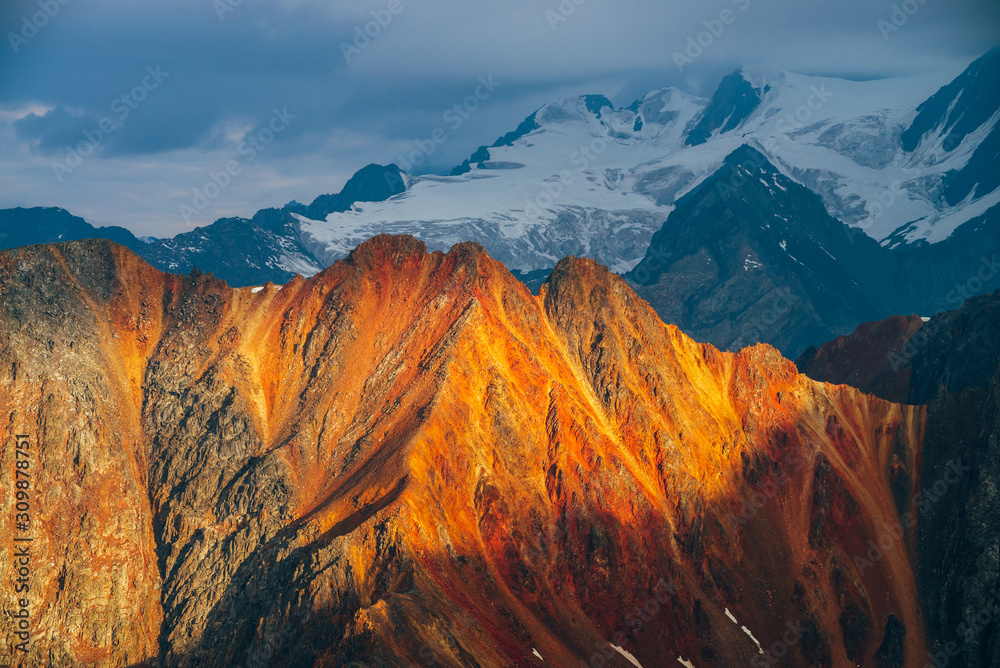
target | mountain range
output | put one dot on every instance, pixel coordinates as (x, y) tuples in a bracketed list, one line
[(750, 255), (910, 163), (410, 459)]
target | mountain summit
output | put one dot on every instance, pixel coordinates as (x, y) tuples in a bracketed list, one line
[(409, 457)]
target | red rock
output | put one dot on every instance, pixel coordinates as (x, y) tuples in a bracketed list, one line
[(410, 459)]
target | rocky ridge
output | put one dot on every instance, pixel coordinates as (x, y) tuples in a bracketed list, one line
[(952, 364), (410, 459)]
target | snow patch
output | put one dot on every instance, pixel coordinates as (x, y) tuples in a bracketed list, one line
[(535, 652), (940, 228), (685, 662), (624, 652), (256, 290), (755, 641)]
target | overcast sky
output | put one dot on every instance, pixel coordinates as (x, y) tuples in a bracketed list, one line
[(167, 93)]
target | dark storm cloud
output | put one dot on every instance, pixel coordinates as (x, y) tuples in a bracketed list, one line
[(360, 98), (54, 129)]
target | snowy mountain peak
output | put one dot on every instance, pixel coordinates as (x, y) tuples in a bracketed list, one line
[(660, 118), (564, 110), (762, 78), (959, 108), (582, 177), (732, 104), (958, 131)]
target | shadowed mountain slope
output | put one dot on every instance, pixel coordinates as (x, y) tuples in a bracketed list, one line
[(410, 459), (952, 364)]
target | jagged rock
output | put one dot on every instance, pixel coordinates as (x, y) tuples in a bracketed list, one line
[(411, 459), (952, 364)]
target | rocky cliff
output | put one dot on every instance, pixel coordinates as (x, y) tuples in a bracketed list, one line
[(410, 460), (951, 364), (749, 255)]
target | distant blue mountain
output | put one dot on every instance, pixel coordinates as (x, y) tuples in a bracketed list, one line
[(25, 227), (957, 110), (267, 247)]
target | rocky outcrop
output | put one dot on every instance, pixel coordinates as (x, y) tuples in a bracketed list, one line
[(952, 364), (872, 359), (749, 255), (409, 459)]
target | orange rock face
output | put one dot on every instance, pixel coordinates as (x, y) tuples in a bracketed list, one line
[(410, 460)]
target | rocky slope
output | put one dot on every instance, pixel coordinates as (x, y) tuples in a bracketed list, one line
[(750, 256), (912, 360), (409, 459), (952, 364), (870, 359)]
